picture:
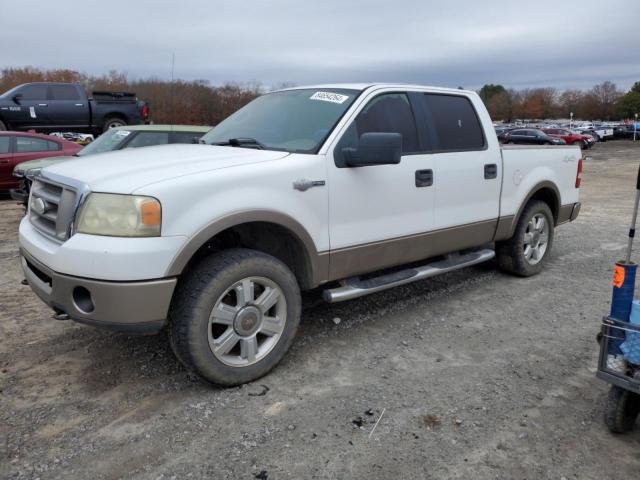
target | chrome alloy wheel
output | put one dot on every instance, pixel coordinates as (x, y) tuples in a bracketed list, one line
[(247, 321), (536, 239)]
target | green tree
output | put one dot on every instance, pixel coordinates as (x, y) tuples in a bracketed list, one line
[(628, 105), (490, 90)]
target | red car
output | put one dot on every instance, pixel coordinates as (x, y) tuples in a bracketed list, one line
[(16, 147), (568, 136)]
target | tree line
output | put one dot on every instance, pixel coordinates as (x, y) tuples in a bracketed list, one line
[(180, 102), (602, 102), (198, 102)]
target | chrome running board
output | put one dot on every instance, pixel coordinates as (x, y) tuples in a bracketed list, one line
[(354, 287)]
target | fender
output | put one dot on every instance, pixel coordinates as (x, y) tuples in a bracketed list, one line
[(507, 225), (317, 263)]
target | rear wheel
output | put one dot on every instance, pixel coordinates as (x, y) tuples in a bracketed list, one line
[(621, 410), (526, 252), (235, 316), (113, 122)]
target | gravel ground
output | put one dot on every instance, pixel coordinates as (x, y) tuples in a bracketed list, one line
[(479, 375)]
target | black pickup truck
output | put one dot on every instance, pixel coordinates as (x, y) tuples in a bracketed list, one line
[(49, 107)]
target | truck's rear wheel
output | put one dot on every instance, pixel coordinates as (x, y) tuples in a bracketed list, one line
[(235, 316), (526, 252), (113, 122)]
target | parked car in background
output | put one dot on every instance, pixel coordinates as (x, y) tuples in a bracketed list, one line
[(79, 138), (625, 131), (18, 147), (501, 132), (569, 137), (531, 136), (117, 138), (49, 106)]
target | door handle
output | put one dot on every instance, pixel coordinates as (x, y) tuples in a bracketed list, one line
[(5, 162), (490, 171), (424, 178), (43, 104)]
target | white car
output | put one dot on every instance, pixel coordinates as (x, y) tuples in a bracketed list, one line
[(349, 188)]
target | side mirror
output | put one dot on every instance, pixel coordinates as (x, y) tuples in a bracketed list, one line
[(17, 97), (375, 148)]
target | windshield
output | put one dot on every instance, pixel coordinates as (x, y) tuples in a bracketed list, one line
[(291, 120), (107, 142)]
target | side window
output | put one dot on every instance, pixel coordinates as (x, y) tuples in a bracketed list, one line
[(34, 92), (453, 123), (388, 113), (64, 92), (5, 143), (148, 139), (185, 137), (29, 144)]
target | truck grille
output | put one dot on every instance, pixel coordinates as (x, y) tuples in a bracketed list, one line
[(52, 208)]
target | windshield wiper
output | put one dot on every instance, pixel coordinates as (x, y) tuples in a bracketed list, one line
[(243, 142)]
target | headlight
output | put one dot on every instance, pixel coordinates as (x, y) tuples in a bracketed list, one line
[(120, 216), (32, 173)]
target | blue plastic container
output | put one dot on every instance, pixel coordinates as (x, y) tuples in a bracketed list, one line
[(624, 280)]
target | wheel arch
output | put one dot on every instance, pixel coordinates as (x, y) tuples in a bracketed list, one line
[(270, 232), (546, 192)]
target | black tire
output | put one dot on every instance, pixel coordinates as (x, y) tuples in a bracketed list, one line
[(3, 127), (510, 254), (195, 298), (621, 410), (112, 122)]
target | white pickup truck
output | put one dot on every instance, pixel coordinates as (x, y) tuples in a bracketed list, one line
[(348, 188)]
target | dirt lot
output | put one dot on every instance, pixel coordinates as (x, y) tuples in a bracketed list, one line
[(479, 374)]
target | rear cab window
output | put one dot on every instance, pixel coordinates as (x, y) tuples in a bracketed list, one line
[(451, 123), (64, 92)]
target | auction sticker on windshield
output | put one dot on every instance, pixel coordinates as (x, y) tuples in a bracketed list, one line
[(329, 97)]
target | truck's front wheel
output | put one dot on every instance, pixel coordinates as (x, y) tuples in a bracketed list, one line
[(235, 316), (526, 252)]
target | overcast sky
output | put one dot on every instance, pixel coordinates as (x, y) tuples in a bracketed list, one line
[(560, 43)]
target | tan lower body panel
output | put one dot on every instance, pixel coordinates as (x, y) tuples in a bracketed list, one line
[(350, 261)]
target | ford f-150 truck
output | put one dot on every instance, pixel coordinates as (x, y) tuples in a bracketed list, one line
[(351, 189), (49, 106)]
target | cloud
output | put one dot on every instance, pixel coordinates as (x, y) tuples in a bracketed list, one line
[(467, 42)]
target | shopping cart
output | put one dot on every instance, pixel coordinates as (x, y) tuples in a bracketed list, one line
[(623, 402)]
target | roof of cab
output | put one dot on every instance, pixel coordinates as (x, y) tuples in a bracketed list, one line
[(365, 86)]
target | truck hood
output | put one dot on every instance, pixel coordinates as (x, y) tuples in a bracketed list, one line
[(127, 170), (40, 163)]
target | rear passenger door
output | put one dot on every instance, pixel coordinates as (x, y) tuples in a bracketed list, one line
[(30, 148), (67, 107), (466, 172)]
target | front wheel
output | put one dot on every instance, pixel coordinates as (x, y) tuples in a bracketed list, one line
[(526, 252), (621, 410), (234, 316)]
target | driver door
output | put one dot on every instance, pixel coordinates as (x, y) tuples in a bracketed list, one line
[(378, 215)]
